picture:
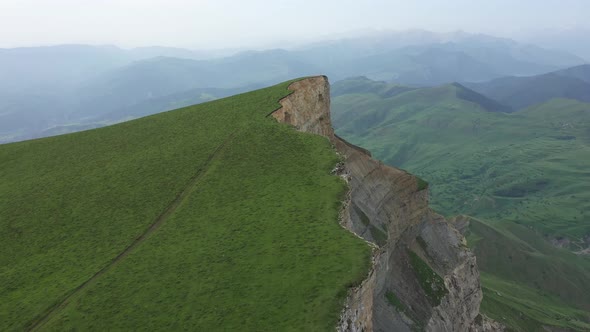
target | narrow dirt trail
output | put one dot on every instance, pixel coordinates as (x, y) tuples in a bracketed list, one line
[(168, 211)]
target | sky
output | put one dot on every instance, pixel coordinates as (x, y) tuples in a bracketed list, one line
[(201, 24)]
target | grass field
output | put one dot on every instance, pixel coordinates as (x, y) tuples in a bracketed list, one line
[(245, 225), (524, 175)]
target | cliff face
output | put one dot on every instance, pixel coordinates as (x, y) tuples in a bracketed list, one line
[(308, 107), (423, 276)]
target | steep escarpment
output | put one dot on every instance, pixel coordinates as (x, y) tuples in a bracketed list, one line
[(423, 276)]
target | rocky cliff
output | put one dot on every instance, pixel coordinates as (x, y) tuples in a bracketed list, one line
[(423, 276)]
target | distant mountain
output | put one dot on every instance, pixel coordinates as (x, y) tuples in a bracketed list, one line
[(497, 48), (147, 52), (41, 86), (56, 68), (53, 69), (146, 80), (426, 58), (521, 92), (419, 66), (45, 87), (23, 115), (573, 40), (478, 45), (581, 72)]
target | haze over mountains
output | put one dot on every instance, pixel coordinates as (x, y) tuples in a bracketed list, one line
[(78, 86), (572, 39)]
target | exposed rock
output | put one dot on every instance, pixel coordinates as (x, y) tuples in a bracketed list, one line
[(484, 324), (461, 223), (578, 246), (308, 107), (423, 276)]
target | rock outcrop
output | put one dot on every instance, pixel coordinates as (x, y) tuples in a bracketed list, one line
[(308, 107), (423, 275)]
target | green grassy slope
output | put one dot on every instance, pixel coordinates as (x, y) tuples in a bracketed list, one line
[(526, 281), (523, 308), (528, 169), (246, 212)]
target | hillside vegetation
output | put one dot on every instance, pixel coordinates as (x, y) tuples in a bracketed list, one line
[(528, 169), (205, 218), (527, 282)]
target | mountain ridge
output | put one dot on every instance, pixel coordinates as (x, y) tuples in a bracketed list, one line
[(522, 92)]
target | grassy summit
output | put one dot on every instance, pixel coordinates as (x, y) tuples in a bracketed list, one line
[(205, 218)]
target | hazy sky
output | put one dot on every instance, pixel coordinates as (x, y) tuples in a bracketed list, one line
[(253, 23)]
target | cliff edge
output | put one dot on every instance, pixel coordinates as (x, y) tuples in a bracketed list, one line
[(423, 275)]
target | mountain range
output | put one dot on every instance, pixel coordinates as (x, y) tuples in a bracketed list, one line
[(522, 92), (78, 85)]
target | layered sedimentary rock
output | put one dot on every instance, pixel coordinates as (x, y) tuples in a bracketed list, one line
[(308, 107), (423, 275)]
